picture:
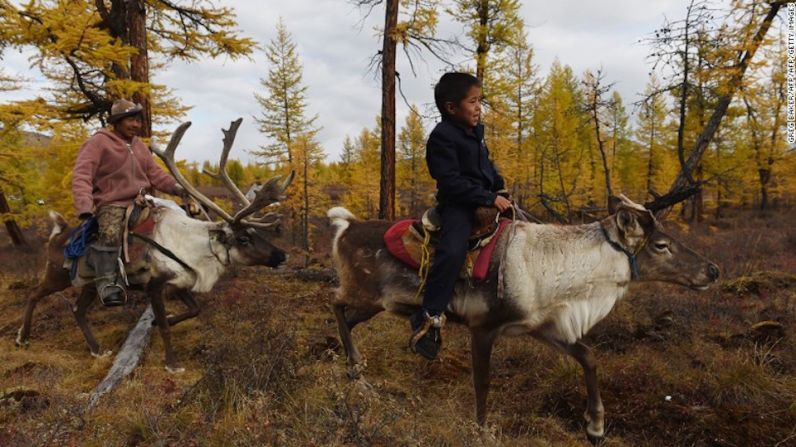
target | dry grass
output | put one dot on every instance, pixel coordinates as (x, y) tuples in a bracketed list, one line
[(264, 366)]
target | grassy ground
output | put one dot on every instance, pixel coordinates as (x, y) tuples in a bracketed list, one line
[(263, 366)]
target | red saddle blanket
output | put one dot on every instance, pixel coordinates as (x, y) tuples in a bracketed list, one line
[(406, 244)]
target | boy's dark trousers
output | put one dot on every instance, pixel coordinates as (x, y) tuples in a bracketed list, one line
[(449, 256)]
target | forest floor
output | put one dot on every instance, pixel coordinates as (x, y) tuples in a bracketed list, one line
[(264, 366)]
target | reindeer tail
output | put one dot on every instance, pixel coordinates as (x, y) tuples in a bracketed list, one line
[(340, 216), (59, 224)]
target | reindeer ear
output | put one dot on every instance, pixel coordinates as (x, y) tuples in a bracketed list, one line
[(627, 223), (219, 234)]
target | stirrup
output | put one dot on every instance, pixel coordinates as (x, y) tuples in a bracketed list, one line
[(436, 321), (104, 294)]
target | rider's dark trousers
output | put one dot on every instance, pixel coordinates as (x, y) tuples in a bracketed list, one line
[(457, 223)]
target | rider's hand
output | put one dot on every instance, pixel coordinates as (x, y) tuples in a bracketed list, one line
[(502, 203)]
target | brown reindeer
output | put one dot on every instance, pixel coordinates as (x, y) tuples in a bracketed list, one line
[(200, 251), (558, 282)]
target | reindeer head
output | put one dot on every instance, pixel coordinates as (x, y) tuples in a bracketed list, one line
[(659, 257), (243, 239)]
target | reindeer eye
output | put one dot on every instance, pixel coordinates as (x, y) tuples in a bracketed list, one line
[(661, 245), (244, 240)]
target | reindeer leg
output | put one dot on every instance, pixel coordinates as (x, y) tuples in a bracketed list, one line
[(159, 309), (595, 413), (193, 307), (187, 298), (345, 323), (481, 343), (84, 301), (39, 292)]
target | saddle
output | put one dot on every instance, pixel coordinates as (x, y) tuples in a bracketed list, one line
[(412, 241)]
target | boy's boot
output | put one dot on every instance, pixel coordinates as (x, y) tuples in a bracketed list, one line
[(426, 337), (105, 262)]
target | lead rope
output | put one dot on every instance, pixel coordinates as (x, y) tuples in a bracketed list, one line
[(631, 257), (425, 263), (502, 266)]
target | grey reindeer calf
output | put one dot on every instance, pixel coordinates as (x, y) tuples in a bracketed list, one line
[(559, 281)]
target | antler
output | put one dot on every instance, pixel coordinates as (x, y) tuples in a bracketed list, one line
[(223, 175), (270, 192), (168, 158), (668, 200)]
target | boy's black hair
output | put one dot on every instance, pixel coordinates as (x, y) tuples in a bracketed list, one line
[(453, 87)]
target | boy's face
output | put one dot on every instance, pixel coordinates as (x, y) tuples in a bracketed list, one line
[(468, 110)]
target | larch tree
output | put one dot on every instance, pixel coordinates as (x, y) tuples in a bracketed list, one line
[(347, 159), (651, 135), (492, 26), (623, 152), (596, 105), (307, 199), (95, 52), (412, 24), (284, 102), (362, 198), (764, 103), (558, 122), (412, 172), (736, 41), (523, 88)]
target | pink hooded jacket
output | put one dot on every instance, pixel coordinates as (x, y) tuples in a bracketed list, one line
[(108, 171)]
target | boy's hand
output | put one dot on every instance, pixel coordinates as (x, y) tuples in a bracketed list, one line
[(502, 203)]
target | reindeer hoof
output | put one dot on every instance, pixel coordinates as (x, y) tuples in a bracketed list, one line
[(355, 371), (596, 437), (594, 440), (175, 370), (19, 341), (103, 355)]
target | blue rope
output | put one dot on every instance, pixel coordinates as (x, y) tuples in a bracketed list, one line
[(79, 240)]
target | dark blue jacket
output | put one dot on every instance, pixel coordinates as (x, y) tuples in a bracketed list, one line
[(458, 160)]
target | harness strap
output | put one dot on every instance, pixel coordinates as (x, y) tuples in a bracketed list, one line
[(631, 257), (126, 225), (163, 250)]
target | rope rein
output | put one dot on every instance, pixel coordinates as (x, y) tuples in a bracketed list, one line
[(631, 257)]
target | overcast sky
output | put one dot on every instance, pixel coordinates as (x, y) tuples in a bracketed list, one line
[(335, 46)]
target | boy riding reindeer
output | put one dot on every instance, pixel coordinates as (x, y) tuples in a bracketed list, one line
[(466, 178)]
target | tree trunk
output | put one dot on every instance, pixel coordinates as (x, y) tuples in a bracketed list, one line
[(128, 357), (683, 100), (650, 162), (306, 211), (387, 184), (601, 146), (482, 48), (764, 175), (17, 238), (139, 63)]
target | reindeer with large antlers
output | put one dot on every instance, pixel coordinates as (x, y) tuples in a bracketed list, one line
[(186, 255)]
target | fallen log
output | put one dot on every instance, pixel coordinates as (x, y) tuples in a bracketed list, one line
[(128, 357)]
